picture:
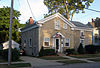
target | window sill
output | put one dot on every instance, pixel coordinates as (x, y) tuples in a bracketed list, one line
[(66, 46), (46, 46)]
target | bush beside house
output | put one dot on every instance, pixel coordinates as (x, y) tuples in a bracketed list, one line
[(81, 49), (46, 52), (91, 49), (15, 54)]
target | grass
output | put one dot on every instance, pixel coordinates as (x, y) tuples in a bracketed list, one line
[(3, 60), (15, 65), (52, 58), (95, 59), (86, 56), (72, 61)]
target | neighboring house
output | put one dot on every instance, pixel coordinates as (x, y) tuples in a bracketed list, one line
[(14, 45), (55, 32), (96, 32)]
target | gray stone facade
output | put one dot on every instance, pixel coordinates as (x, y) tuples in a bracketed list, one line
[(43, 33)]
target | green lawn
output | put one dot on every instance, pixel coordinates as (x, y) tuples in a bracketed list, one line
[(15, 65), (95, 59), (86, 56), (52, 58), (72, 61)]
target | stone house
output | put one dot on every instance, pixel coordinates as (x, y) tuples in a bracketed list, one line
[(55, 32), (96, 32)]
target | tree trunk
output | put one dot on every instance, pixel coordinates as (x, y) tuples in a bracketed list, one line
[(66, 8), (73, 14)]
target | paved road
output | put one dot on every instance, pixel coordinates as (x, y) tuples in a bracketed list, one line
[(83, 65)]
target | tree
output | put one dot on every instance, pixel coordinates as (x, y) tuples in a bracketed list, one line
[(81, 49), (4, 24), (97, 22), (66, 7)]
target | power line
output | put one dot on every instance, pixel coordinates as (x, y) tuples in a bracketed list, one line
[(31, 9), (93, 10)]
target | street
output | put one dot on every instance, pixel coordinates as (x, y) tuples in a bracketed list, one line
[(82, 65)]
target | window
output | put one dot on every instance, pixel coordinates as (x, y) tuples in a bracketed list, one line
[(67, 41), (30, 42), (82, 41), (57, 25), (64, 25), (24, 43), (46, 41), (82, 33)]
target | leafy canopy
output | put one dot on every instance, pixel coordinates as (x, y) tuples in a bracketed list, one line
[(4, 24), (66, 7)]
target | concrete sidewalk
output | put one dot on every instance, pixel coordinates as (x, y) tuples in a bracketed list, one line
[(72, 58), (36, 62)]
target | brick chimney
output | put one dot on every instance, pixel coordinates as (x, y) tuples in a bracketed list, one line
[(93, 24), (30, 20)]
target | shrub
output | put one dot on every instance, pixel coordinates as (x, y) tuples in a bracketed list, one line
[(41, 53), (1, 52), (81, 50), (70, 51), (90, 49), (97, 48), (49, 52), (15, 54), (46, 52)]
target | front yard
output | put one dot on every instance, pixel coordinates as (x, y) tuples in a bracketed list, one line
[(52, 58), (15, 65), (71, 61), (86, 56)]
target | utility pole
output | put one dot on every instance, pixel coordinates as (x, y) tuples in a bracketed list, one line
[(10, 34)]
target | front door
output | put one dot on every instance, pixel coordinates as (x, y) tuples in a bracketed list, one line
[(57, 43)]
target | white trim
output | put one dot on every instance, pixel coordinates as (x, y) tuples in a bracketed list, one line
[(64, 26), (44, 41), (53, 43), (57, 25), (56, 15), (65, 42), (82, 43), (84, 29), (81, 32), (39, 39), (62, 44), (60, 34)]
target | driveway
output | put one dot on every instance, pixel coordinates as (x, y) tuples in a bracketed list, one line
[(36, 62)]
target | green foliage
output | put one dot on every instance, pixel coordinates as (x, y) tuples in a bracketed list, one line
[(71, 51), (66, 7), (81, 50), (46, 52), (41, 53), (15, 54), (91, 49), (4, 24), (97, 22), (49, 52)]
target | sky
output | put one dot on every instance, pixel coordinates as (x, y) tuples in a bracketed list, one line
[(39, 9)]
